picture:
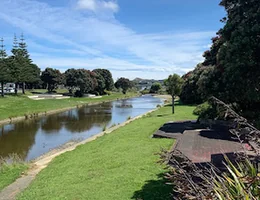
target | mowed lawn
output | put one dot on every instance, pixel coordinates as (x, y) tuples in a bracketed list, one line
[(13, 106), (121, 165)]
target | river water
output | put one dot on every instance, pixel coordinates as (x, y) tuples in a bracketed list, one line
[(32, 138)]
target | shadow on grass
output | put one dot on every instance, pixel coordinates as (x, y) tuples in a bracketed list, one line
[(154, 190)]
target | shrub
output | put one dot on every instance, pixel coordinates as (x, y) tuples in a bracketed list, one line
[(240, 182), (201, 108)]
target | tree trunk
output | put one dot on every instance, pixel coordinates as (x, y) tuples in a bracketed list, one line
[(2, 90), (172, 104), (23, 88), (15, 88)]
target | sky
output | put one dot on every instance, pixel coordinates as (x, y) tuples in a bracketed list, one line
[(132, 38)]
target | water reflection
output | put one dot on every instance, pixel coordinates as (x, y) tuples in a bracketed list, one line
[(84, 119), (31, 138), (18, 142)]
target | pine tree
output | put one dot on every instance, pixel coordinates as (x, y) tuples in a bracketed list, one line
[(16, 71), (3, 66), (25, 63), (22, 64)]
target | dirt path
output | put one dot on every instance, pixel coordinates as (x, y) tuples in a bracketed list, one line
[(11, 191)]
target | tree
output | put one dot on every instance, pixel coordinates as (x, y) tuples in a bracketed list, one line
[(33, 73), (81, 79), (239, 57), (173, 87), (107, 76), (71, 79), (22, 67), (4, 71), (51, 77), (14, 63), (123, 83), (155, 88), (25, 63), (101, 84)]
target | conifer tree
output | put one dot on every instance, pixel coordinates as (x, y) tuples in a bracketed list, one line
[(3, 66)]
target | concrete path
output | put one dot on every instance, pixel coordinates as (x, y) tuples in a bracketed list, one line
[(199, 144), (202, 146)]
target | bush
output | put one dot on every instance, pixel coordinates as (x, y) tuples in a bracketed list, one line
[(240, 182), (201, 108)]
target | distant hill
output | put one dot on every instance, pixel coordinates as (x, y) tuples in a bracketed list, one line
[(140, 80), (145, 83)]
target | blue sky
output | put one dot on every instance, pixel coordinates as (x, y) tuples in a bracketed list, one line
[(132, 38)]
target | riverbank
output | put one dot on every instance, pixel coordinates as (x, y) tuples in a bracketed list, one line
[(15, 108), (10, 172), (121, 165)]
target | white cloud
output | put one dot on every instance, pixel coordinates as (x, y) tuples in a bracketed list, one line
[(98, 5), (63, 37)]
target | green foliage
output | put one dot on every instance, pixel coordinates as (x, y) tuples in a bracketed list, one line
[(123, 83), (190, 90), (101, 82), (105, 77), (51, 77), (174, 85), (202, 108), (241, 181), (21, 68), (5, 72), (155, 88), (230, 70)]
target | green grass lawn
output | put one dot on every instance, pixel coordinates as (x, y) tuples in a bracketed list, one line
[(9, 173), (118, 166), (13, 106)]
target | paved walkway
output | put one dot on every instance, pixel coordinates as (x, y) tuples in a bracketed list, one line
[(200, 145)]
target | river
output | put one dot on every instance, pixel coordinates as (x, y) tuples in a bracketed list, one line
[(31, 138)]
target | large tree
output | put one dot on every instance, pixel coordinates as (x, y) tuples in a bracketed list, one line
[(71, 79), (52, 78), (23, 70), (82, 80), (25, 63), (107, 76), (124, 84), (239, 56), (173, 87), (4, 71)]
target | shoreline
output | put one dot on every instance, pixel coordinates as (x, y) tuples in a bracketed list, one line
[(38, 164), (55, 111)]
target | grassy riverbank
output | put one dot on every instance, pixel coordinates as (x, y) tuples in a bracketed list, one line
[(121, 165), (14, 106), (9, 173)]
